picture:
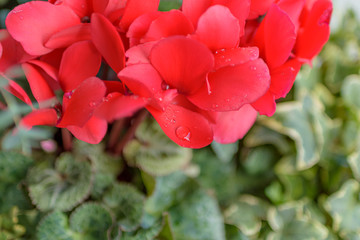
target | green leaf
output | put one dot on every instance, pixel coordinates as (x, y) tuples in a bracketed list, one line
[(247, 214), (127, 204), (102, 182), (3, 15), (55, 227), (350, 90), (13, 166), (297, 220), (290, 119), (91, 221), (225, 152), (62, 187), (260, 160), (344, 207), (167, 5), (234, 233), (212, 168), (9, 224), (12, 195), (166, 232), (197, 217), (168, 191), (154, 152), (261, 135), (354, 162), (299, 229), (143, 233), (102, 162)]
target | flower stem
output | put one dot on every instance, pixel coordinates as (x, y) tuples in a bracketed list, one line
[(67, 139), (2, 106), (131, 132), (115, 133)]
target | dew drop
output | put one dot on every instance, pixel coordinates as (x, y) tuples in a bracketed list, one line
[(92, 104), (164, 86), (21, 18), (253, 68), (105, 99), (68, 95), (183, 133)]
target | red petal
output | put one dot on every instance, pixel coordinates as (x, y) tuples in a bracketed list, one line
[(108, 42), (53, 58), (99, 6), (232, 87), (79, 62), (47, 68), (293, 8), (265, 105), (140, 26), (68, 36), (47, 117), (276, 37), (33, 23), (136, 8), (139, 54), (239, 8), (282, 78), (83, 102), (92, 132), (114, 86), (232, 126), (116, 106), (185, 127), (16, 90), (194, 9), (39, 86), (81, 7), (183, 63), (12, 52), (259, 7), (169, 24), (218, 28), (141, 79), (233, 56), (315, 31)]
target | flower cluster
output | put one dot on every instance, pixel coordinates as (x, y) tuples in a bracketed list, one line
[(204, 71)]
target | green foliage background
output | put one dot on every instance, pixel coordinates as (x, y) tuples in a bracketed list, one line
[(294, 176)]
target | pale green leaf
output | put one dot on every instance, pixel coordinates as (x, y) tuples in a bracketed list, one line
[(55, 227), (127, 204), (91, 221), (154, 152), (247, 214), (62, 187), (197, 217)]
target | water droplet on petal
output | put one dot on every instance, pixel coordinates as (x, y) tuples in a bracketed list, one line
[(92, 104), (164, 86), (68, 95), (183, 133)]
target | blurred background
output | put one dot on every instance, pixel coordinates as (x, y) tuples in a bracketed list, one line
[(294, 176)]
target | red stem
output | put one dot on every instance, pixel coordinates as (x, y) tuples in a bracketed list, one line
[(2, 106), (131, 132), (115, 133), (67, 139)]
